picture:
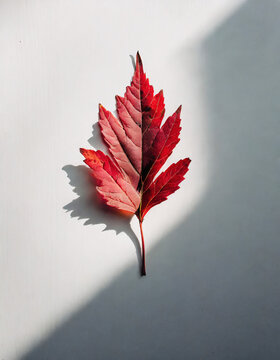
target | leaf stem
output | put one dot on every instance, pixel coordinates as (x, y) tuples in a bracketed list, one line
[(143, 269)]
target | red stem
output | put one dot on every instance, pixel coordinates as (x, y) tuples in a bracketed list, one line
[(143, 270)]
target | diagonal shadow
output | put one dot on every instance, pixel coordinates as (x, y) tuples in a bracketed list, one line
[(212, 291)]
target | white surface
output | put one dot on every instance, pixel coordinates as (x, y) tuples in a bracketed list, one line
[(59, 59)]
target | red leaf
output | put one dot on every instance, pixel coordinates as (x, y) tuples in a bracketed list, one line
[(139, 146)]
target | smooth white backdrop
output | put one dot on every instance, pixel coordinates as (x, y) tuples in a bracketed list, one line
[(59, 59)]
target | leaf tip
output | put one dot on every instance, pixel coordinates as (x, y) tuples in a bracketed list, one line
[(82, 151), (102, 110), (186, 162), (138, 60)]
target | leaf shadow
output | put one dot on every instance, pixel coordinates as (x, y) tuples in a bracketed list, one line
[(87, 206), (96, 140), (133, 61)]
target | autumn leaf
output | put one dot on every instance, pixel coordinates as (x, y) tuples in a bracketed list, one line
[(139, 146)]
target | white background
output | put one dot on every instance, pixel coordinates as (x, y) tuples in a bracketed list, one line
[(72, 291)]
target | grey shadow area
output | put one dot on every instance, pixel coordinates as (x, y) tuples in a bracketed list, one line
[(133, 61), (96, 140), (212, 290)]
